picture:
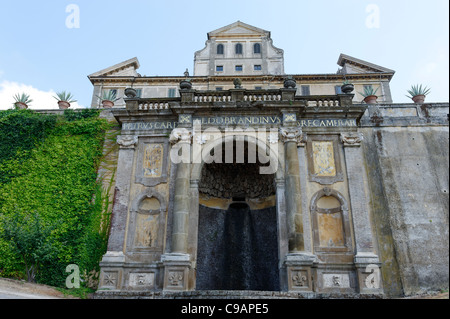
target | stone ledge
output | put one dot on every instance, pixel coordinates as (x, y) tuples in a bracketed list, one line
[(227, 294)]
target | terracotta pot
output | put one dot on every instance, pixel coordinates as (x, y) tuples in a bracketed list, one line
[(107, 104), (63, 105), (371, 99), (21, 106), (419, 99)]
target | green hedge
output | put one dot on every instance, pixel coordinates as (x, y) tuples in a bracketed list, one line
[(51, 212)]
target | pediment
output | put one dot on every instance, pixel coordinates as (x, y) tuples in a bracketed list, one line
[(125, 68), (354, 65), (238, 29)]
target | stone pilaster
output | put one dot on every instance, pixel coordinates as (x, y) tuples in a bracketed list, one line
[(177, 263), (112, 261), (290, 136), (366, 260)]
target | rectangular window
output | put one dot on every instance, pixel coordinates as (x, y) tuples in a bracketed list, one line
[(305, 90), (219, 68), (138, 92), (172, 92), (258, 87), (219, 88), (257, 67), (338, 89), (238, 68)]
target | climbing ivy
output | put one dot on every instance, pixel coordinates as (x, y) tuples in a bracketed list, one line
[(49, 185)]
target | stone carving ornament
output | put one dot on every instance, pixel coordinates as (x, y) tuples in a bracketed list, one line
[(290, 134), (127, 141), (351, 139), (180, 135)]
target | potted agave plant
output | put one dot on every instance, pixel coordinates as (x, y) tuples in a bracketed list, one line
[(418, 93), (108, 98), (64, 99), (369, 94), (22, 101)]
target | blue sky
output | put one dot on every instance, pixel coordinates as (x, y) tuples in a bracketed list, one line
[(39, 54)]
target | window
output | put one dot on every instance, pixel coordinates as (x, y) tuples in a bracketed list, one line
[(138, 92), (257, 48), (219, 88), (338, 89), (220, 49), (238, 68), (172, 92), (305, 90), (238, 48), (257, 67), (219, 68), (258, 87)]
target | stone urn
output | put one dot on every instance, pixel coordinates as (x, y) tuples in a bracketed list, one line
[(347, 88), (185, 85), (107, 104), (419, 99), (63, 105), (130, 92), (20, 105), (237, 83), (371, 99), (290, 83)]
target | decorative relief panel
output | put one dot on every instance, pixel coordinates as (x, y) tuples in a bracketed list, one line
[(336, 281), (142, 280), (151, 168), (324, 165)]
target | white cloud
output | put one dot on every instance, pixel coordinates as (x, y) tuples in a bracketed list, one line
[(41, 99)]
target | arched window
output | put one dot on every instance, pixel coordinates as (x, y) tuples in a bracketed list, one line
[(220, 49), (238, 48), (257, 48)]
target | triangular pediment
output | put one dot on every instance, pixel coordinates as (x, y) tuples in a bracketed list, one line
[(354, 65), (238, 29), (125, 68)]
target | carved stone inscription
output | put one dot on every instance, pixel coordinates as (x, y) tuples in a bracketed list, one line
[(323, 154)]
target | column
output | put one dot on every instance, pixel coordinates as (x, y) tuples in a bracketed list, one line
[(366, 260), (177, 263), (112, 261), (298, 262), (290, 138)]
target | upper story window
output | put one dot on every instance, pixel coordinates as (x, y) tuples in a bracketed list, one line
[(171, 92), (257, 67), (257, 48), (238, 67), (220, 49), (219, 68), (238, 48), (305, 90)]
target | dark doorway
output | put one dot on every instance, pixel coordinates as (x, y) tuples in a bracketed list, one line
[(237, 249)]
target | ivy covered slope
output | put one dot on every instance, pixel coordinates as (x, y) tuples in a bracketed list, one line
[(51, 212)]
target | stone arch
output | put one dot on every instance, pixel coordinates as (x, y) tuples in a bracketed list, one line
[(198, 163)]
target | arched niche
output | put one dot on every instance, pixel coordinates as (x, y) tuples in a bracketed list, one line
[(330, 221), (147, 218)]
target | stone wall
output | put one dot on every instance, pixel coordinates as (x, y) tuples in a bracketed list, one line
[(409, 177)]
